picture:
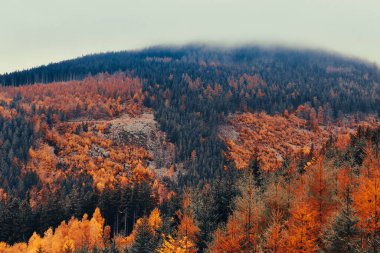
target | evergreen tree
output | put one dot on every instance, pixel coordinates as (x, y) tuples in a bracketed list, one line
[(145, 241), (343, 235)]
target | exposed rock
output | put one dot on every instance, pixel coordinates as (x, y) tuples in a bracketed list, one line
[(143, 131), (98, 151)]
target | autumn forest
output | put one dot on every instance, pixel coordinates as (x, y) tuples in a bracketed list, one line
[(191, 149)]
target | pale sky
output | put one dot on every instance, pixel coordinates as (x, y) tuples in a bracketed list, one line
[(35, 32)]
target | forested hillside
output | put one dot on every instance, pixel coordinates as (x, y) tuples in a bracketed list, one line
[(191, 149)]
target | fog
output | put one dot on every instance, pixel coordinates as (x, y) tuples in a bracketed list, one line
[(35, 32)]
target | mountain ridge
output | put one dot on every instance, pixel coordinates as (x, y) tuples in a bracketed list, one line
[(114, 61)]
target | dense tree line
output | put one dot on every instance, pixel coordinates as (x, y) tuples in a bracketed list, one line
[(16, 137), (121, 207)]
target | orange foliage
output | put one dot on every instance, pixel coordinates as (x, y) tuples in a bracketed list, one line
[(367, 197), (274, 138), (343, 139), (320, 191), (302, 229), (271, 138), (187, 230), (155, 223), (103, 96), (59, 112), (44, 162), (244, 225), (79, 130), (7, 113), (67, 237), (186, 233), (155, 220), (276, 235), (88, 152)]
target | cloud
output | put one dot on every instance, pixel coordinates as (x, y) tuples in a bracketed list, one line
[(41, 31)]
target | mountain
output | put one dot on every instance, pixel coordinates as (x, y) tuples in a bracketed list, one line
[(191, 148)]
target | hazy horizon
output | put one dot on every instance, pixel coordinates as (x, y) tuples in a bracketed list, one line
[(40, 32)]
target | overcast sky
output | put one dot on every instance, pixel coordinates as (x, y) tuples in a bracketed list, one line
[(35, 32)]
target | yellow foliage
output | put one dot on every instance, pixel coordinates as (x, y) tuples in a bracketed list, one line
[(155, 220), (141, 173), (68, 246), (17, 248), (67, 237), (155, 223), (170, 245)]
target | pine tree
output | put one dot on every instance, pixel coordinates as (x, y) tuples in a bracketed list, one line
[(343, 234), (243, 226), (145, 241)]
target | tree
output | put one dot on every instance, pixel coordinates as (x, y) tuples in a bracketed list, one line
[(187, 230), (342, 233), (212, 205), (145, 241), (243, 226), (320, 191), (275, 235), (155, 220), (313, 121), (367, 203), (302, 229), (321, 115)]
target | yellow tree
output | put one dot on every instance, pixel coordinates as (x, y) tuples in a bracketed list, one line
[(34, 243), (186, 233), (155, 220)]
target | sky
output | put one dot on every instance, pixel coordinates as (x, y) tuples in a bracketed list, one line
[(36, 32)]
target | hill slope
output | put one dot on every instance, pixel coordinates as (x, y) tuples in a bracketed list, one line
[(196, 132)]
